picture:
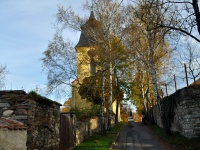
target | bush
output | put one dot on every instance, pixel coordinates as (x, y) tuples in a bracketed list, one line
[(83, 113)]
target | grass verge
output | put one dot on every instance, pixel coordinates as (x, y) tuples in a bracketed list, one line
[(176, 141), (98, 142)]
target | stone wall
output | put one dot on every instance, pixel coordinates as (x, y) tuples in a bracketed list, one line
[(88, 127), (187, 112), (39, 114)]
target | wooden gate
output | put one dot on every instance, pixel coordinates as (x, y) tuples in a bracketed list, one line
[(67, 131)]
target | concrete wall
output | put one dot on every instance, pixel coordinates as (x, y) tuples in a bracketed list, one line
[(13, 139), (187, 112)]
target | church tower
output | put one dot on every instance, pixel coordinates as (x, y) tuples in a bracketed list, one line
[(91, 35), (87, 55), (86, 48)]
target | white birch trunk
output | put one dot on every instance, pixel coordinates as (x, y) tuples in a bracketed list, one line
[(110, 106), (152, 65), (142, 91), (103, 103), (110, 89)]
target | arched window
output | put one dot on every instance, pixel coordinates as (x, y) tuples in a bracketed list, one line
[(92, 67)]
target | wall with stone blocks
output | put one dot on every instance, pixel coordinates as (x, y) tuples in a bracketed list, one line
[(187, 112), (88, 127), (40, 115)]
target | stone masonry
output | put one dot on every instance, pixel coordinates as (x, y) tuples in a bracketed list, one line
[(187, 113), (39, 114)]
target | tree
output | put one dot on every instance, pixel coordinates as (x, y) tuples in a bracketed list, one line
[(91, 86), (60, 62), (149, 48), (90, 89), (108, 13), (3, 72), (67, 105), (184, 17), (190, 57)]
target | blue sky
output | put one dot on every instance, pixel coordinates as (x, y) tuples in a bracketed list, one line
[(26, 29)]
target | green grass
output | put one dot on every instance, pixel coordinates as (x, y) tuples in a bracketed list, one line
[(98, 142), (176, 141)]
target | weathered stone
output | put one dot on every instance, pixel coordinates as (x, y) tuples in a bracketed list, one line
[(4, 105), (35, 114), (20, 117), (21, 112), (187, 113), (30, 113), (8, 113)]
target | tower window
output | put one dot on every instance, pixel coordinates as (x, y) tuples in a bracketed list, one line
[(92, 67)]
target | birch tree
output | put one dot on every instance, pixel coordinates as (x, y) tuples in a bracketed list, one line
[(109, 13), (184, 17), (190, 57), (60, 62), (149, 46)]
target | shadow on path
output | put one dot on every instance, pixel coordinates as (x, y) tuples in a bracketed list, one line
[(135, 136)]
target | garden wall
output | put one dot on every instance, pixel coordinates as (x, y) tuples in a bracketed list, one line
[(186, 106), (39, 114), (88, 127)]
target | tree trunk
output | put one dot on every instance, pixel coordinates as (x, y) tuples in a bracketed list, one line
[(197, 14), (110, 86), (103, 105), (117, 113), (152, 65), (110, 107)]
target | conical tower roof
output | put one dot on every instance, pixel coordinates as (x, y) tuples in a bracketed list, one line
[(91, 32)]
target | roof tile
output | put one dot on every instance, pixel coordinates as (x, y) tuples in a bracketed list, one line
[(11, 124)]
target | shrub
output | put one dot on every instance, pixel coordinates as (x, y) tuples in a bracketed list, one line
[(83, 113)]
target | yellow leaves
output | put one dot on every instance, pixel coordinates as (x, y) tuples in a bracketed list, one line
[(65, 109), (67, 105)]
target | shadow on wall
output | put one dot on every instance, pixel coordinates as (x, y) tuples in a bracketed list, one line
[(184, 107)]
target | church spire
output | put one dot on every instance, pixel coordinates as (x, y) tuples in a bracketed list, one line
[(92, 15), (90, 31)]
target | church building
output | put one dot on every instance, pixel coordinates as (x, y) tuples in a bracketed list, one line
[(86, 55)]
